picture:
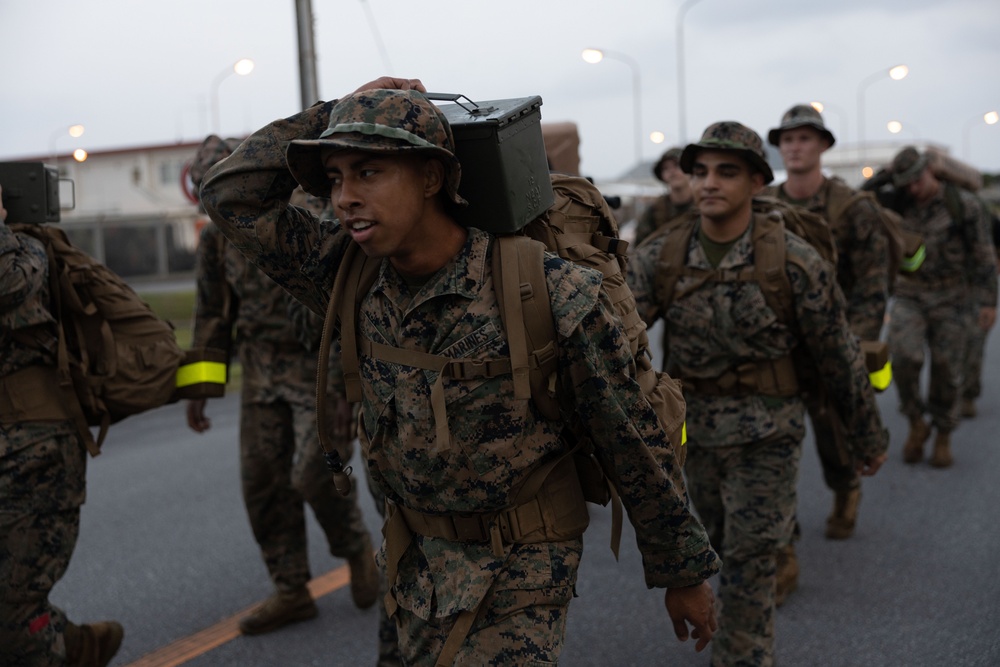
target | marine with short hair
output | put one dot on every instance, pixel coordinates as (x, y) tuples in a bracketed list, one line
[(474, 579), (740, 357), (862, 273)]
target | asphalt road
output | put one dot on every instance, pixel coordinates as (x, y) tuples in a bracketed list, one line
[(165, 547)]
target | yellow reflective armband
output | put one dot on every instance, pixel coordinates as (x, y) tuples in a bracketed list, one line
[(882, 378), (201, 371)]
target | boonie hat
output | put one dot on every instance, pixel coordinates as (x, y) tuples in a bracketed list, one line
[(378, 121), (801, 115), (671, 154), (729, 135), (213, 149), (907, 166)]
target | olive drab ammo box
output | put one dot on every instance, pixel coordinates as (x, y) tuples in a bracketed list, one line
[(505, 176)]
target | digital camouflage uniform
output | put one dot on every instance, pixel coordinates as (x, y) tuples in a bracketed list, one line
[(744, 449), (495, 440), (42, 469), (281, 461), (862, 258), (932, 305)]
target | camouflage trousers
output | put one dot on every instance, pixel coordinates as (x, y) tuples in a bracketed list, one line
[(972, 381), (282, 465), (514, 628), (745, 497), (943, 325), (42, 477)]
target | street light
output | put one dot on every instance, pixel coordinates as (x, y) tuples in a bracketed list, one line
[(242, 67), (681, 104), (896, 127), (896, 73), (594, 56), (74, 131), (990, 118)]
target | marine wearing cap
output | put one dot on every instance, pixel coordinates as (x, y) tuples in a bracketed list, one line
[(728, 135), (671, 154), (800, 115), (907, 166), (378, 121)]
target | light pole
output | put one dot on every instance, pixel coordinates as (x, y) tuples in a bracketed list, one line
[(594, 56), (895, 73), (990, 118), (242, 67), (681, 103), (75, 131)]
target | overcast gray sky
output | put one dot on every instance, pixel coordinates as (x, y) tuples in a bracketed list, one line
[(141, 72)]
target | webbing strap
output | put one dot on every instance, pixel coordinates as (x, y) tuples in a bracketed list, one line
[(343, 302), (445, 366), (510, 287), (459, 631), (768, 377)]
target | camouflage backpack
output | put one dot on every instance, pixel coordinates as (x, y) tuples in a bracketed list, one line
[(906, 250), (581, 228), (116, 358)]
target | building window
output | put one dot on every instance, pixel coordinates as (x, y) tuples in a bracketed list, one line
[(170, 172)]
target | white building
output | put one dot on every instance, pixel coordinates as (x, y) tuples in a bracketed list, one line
[(134, 209)]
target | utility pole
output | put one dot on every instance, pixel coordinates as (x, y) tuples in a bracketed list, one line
[(308, 87)]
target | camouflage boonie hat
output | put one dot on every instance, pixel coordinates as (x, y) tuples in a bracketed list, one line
[(907, 166), (801, 115), (729, 135), (378, 121), (213, 149), (671, 154)]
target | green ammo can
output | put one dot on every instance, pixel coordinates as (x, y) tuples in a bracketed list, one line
[(505, 174)]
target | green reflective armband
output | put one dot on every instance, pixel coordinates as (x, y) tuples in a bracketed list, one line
[(913, 262), (882, 378)]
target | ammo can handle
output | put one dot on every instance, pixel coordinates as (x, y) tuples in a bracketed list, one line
[(454, 97)]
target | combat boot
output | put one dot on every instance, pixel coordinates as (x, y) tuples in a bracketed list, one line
[(364, 577), (941, 457), (92, 645), (913, 450), (968, 408), (840, 524), (279, 610), (787, 577)]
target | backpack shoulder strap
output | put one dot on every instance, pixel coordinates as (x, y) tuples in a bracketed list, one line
[(769, 264), (840, 197), (673, 257), (355, 277), (525, 309)]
